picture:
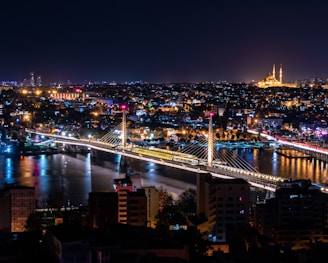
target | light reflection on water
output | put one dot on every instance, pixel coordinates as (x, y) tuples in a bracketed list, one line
[(269, 162), (77, 175)]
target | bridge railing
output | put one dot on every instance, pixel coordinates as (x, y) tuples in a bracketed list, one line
[(268, 182), (264, 180)]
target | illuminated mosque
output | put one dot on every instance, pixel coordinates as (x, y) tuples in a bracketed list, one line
[(271, 81)]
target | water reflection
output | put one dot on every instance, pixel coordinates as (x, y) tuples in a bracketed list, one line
[(269, 162), (77, 175)]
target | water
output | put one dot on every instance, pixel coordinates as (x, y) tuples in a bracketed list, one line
[(269, 162), (77, 175)]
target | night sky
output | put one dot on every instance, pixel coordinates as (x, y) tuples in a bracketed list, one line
[(162, 41)]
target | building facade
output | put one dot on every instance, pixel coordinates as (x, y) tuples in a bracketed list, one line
[(224, 204), (102, 209), (152, 194), (296, 217), (137, 208), (17, 203)]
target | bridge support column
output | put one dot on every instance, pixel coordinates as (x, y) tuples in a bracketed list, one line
[(269, 195), (123, 127), (210, 142)]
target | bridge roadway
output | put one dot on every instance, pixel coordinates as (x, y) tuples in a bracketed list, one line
[(258, 180), (312, 149)]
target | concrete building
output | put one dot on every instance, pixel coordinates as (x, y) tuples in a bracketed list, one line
[(224, 204), (17, 203), (102, 209), (137, 208), (296, 217), (126, 205), (123, 206), (115, 243), (152, 194)]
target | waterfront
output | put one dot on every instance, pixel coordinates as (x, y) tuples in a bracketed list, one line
[(78, 174)]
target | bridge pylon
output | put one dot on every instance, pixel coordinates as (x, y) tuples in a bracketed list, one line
[(124, 133), (210, 142)]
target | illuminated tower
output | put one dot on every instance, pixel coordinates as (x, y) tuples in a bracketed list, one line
[(32, 79), (210, 142), (274, 71), (124, 127), (38, 81), (280, 74)]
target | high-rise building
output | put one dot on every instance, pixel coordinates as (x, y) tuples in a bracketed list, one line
[(123, 206), (296, 217), (17, 203), (152, 194), (39, 81), (137, 208), (224, 205), (132, 207), (126, 205), (32, 81)]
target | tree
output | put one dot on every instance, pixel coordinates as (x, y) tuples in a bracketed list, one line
[(33, 222), (198, 246), (167, 208), (186, 204), (177, 211)]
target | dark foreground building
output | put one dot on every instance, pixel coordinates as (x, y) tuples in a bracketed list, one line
[(17, 203), (296, 218), (223, 210), (115, 243)]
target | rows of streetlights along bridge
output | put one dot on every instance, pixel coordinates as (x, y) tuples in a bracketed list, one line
[(183, 159)]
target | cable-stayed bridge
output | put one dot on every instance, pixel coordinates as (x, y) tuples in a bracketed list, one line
[(199, 156), (193, 157), (178, 159)]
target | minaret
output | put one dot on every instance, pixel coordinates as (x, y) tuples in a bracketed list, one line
[(280, 74), (274, 71)]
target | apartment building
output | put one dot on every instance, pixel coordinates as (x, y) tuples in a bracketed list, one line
[(17, 203)]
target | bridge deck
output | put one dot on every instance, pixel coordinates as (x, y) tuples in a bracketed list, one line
[(265, 181)]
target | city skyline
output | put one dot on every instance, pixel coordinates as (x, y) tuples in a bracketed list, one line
[(171, 41)]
